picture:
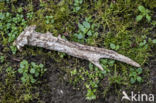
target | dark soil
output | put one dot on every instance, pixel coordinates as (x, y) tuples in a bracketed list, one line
[(60, 91)]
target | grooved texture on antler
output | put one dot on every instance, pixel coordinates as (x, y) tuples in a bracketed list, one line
[(30, 37)]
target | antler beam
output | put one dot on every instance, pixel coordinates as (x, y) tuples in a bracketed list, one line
[(30, 37)]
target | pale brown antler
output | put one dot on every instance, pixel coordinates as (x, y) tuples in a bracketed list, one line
[(30, 37)]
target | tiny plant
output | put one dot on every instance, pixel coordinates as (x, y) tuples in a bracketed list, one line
[(142, 43), (91, 93), (11, 25), (30, 72), (9, 70), (93, 77), (154, 41), (134, 75), (30, 15), (49, 19), (86, 31), (143, 13), (2, 58), (13, 49), (77, 4), (113, 46)]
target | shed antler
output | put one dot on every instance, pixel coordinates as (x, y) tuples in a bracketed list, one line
[(30, 37)]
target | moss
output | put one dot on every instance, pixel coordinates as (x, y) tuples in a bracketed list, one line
[(115, 22), (1, 5)]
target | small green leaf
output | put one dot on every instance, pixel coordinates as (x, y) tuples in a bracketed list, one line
[(33, 80), (141, 8), (89, 33), (104, 61), (73, 72), (131, 70), (19, 10), (111, 62), (41, 65), (80, 36), (2, 16), (36, 74), (86, 24), (13, 49), (77, 1), (52, 21), (117, 47), (32, 70), (147, 11), (139, 70), (87, 86), (139, 79), (23, 79), (90, 66), (112, 46), (9, 69), (44, 69), (25, 74), (82, 28), (80, 1), (96, 34), (134, 74), (75, 34), (132, 80), (139, 18), (154, 41), (90, 95), (20, 70), (154, 23), (77, 8), (148, 18), (47, 21), (2, 58), (24, 64), (33, 64), (104, 72), (142, 43)]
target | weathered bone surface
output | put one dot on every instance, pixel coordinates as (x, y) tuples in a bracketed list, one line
[(30, 37)]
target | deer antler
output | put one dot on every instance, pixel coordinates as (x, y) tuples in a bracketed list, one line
[(30, 37)]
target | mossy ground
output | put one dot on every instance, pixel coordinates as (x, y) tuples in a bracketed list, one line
[(113, 25)]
